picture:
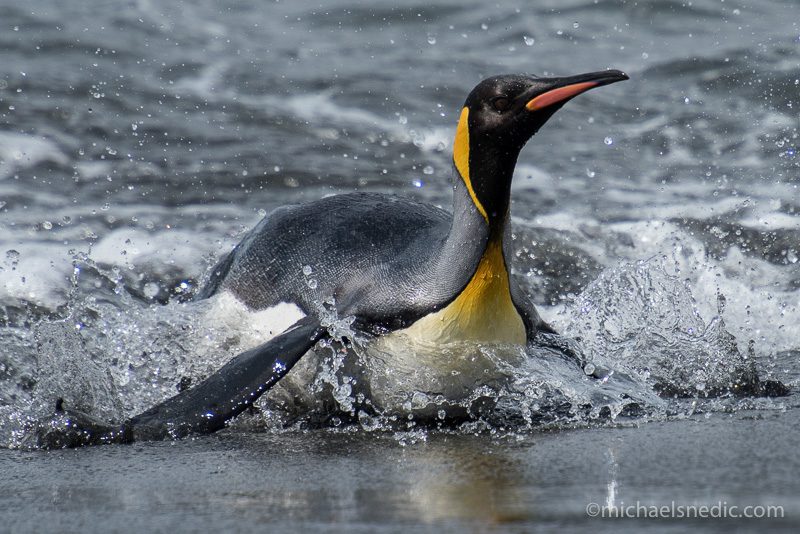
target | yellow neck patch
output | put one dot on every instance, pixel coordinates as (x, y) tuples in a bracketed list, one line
[(483, 312), (461, 158)]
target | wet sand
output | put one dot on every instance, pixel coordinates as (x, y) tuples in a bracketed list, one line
[(374, 482)]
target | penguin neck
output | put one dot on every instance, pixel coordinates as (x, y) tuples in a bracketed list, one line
[(485, 194), (490, 174), (481, 198), (485, 166), (472, 265), (472, 231)]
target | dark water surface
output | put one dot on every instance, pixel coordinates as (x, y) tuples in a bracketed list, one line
[(367, 482), (653, 219)]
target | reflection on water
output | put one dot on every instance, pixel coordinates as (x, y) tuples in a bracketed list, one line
[(611, 494), (382, 482), (377, 479), (462, 480)]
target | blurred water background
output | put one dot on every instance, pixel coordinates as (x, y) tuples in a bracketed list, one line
[(653, 219)]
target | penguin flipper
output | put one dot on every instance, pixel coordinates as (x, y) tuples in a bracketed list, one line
[(202, 409), (235, 387)]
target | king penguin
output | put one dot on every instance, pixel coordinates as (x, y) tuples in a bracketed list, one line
[(390, 263)]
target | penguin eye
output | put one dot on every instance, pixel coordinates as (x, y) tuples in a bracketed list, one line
[(501, 103)]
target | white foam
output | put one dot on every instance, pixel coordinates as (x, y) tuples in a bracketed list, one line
[(39, 274), (531, 177), (317, 107), (772, 221), (754, 309), (130, 247), (18, 151)]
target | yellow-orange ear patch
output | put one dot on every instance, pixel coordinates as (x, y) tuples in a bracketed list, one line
[(461, 158)]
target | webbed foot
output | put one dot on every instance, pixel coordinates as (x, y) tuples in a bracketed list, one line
[(72, 428), (572, 351)]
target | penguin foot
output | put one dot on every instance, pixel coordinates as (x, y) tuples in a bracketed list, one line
[(69, 428), (571, 350)]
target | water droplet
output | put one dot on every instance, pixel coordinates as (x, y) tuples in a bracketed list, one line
[(417, 183), (427, 169), (589, 368), (686, 100), (608, 141), (312, 283), (576, 25), (402, 119), (307, 270), (484, 26), (431, 39), (134, 126), (12, 257), (441, 414), (590, 173), (529, 41), (262, 212), (47, 225), (151, 289)]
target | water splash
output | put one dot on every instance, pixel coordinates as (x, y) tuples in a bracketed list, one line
[(639, 316), (113, 354)]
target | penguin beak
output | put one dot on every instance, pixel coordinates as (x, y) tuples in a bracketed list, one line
[(562, 89)]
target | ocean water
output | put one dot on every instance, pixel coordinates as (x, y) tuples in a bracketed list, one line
[(657, 220)]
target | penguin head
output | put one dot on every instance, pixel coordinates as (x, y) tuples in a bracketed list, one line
[(499, 116)]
